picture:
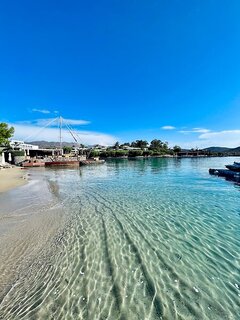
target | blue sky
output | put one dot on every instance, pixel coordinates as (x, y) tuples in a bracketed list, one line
[(127, 68)]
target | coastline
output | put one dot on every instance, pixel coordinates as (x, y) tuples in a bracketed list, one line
[(11, 178)]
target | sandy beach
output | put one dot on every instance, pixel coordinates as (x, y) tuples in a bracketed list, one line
[(11, 178), (30, 218)]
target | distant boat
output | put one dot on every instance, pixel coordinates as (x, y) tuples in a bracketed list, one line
[(32, 163), (62, 162), (91, 161)]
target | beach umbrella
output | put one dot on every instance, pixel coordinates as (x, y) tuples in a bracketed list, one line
[(3, 158)]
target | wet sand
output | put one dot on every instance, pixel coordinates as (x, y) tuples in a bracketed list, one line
[(11, 178), (30, 218)]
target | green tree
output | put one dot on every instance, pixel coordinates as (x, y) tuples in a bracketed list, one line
[(5, 133), (141, 144), (125, 144), (156, 145), (67, 149), (116, 146), (133, 144), (165, 146), (177, 149)]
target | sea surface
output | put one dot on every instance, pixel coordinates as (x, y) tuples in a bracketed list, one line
[(129, 239)]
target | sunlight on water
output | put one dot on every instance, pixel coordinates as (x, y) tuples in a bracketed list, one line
[(142, 239)]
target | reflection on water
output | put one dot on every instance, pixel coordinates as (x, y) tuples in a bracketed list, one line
[(143, 239)]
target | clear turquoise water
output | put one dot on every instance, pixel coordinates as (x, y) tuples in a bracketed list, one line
[(142, 239)]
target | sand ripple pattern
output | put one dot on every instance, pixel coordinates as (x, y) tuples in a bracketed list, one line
[(154, 239)]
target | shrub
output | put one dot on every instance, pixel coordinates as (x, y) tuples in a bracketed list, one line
[(156, 152), (135, 153), (17, 153), (121, 153), (147, 153), (94, 153)]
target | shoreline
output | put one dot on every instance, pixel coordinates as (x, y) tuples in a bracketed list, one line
[(11, 178), (31, 224), (166, 157)]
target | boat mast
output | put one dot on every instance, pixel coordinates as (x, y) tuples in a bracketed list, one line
[(60, 128)]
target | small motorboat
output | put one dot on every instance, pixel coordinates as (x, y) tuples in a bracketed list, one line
[(228, 174), (234, 167), (233, 172)]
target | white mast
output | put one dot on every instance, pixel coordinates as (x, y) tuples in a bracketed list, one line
[(60, 128)]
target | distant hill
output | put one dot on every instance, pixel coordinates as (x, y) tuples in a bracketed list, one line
[(237, 150), (51, 144), (224, 150), (217, 149)]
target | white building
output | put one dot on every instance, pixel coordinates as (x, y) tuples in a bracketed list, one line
[(21, 145), (130, 148), (99, 147)]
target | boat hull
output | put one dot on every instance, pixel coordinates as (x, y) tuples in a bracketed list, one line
[(228, 174), (62, 163), (33, 164), (233, 167)]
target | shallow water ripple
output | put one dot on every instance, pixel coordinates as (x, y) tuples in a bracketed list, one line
[(154, 239)]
